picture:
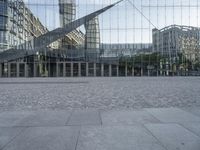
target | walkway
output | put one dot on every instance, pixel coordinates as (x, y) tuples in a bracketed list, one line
[(145, 129)]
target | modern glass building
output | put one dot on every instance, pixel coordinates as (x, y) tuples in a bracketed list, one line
[(92, 39), (74, 54), (17, 24), (179, 46), (67, 38), (67, 13), (175, 39)]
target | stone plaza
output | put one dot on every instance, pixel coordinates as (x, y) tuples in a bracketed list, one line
[(143, 129), (100, 113)]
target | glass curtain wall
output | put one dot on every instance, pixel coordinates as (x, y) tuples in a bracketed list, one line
[(133, 38)]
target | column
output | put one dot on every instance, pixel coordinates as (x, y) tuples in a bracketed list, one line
[(17, 69), (178, 73), (25, 70), (141, 72), (95, 69), (64, 69), (157, 73), (167, 73), (57, 69), (110, 70), (48, 66), (79, 69), (102, 70), (86, 69), (133, 71), (34, 70), (0, 70), (117, 70), (126, 70), (49, 69), (9, 70), (72, 69)]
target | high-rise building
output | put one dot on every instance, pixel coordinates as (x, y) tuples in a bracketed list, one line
[(92, 34), (92, 38), (67, 11), (75, 39)]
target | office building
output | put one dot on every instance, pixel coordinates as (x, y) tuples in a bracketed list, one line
[(17, 24), (174, 40)]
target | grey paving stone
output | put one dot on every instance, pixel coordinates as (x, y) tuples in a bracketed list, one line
[(117, 138), (127, 117), (7, 134), (46, 138), (46, 118), (193, 110), (85, 117), (173, 115), (193, 127), (175, 137), (9, 119)]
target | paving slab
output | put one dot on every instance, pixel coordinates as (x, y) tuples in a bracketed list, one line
[(127, 117), (46, 118), (10, 119), (117, 138), (174, 136), (46, 138), (7, 134), (193, 110), (173, 115), (85, 117), (193, 127)]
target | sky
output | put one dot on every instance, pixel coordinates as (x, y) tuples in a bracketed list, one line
[(131, 21)]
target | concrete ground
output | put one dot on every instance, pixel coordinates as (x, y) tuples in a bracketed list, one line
[(91, 129)]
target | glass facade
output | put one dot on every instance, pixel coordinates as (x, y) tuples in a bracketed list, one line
[(67, 10), (18, 24), (152, 37), (3, 25), (92, 34), (67, 13)]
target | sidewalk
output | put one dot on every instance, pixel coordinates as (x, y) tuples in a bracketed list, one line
[(145, 129)]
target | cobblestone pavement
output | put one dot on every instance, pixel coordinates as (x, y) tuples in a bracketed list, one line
[(100, 93)]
